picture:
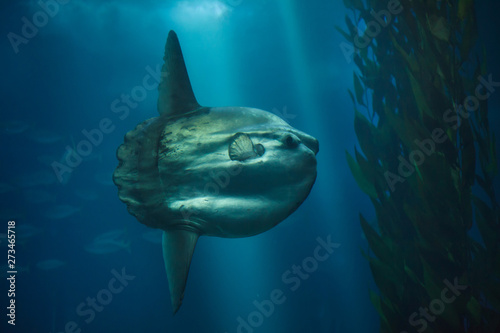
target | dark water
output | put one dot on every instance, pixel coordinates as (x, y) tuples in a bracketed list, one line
[(69, 78)]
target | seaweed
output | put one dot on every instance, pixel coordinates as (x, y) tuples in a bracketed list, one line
[(427, 160)]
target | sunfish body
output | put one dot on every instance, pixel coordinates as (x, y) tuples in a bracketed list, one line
[(222, 171)]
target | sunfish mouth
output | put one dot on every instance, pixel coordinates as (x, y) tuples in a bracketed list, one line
[(308, 140), (311, 143)]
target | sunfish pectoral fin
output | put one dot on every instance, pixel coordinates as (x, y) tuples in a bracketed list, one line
[(176, 95), (178, 248), (242, 148)]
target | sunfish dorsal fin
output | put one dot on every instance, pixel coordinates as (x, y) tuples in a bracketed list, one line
[(178, 248), (176, 95)]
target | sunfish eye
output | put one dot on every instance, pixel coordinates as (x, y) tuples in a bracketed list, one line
[(259, 149), (291, 141)]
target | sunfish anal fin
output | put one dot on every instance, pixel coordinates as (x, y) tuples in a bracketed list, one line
[(176, 95), (178, 248)]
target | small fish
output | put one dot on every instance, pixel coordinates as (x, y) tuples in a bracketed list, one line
[(50, 264), (45, 137), (37, 196), (112, 235), (86, 194), (13, 127), (41, 177), (61, 212), (107, 246)]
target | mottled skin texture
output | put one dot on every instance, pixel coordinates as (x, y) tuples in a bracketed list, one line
[(226, 198), (224, 171), (195, 185)]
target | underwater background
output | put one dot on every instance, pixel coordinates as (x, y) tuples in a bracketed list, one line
[(74, 237)]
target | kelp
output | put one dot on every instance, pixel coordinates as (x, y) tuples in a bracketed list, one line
[(427, 160)]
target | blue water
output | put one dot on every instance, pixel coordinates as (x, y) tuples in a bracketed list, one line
[(70, 76)]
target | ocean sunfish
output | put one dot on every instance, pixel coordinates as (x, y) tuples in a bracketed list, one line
[(209, 171)]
